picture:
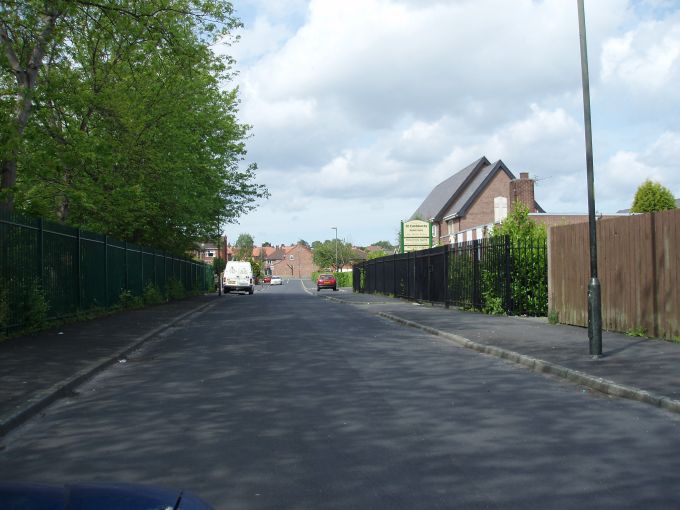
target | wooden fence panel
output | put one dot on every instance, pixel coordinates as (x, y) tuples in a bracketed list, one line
[(638, 259)]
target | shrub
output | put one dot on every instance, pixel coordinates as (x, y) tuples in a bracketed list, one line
[(31, 306), (4, 307), (651, 197), (152, 295), (128, 300), (553, 317), (175, 289)]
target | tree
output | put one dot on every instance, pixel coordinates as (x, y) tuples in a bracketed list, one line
[(528, 270), (324, 254), (128, 127), (519, 226), (385, 245), (244, 247), (376, 254), (303, 243), (218, 265), (651, 197), (266, 244)]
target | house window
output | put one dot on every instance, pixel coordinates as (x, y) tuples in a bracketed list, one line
[(500, 209), (211, 254), (291, 257), (460, 237), (435, 231), (450, 227)]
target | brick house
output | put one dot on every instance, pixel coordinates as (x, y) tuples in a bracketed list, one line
[(465, 205), (298, 262), (209, 251), (468, 204)]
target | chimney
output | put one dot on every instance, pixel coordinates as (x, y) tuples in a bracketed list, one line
[(522, 190)]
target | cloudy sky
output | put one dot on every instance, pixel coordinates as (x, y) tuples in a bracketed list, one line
[(360, 107)]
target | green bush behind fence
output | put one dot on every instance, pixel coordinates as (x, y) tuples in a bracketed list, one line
[(51, 271), (344, 279)]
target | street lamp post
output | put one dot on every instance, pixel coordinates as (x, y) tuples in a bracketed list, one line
[(594, 291), (336, 248)]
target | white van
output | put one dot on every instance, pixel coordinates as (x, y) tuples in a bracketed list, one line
[(238, 276)]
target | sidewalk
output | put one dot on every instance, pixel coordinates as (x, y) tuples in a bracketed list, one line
[(37, 369), (647, 370)]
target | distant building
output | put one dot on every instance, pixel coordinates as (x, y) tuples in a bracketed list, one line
[(468, 204)]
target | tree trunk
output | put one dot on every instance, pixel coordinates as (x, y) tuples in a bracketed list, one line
[(26, 78)]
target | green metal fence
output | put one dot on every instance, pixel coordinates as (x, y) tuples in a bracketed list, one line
[(75, 270)]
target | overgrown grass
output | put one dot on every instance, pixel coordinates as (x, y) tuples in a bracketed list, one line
[(637, 331), (553, 317)]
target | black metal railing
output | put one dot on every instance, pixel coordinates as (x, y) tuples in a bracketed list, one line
[(496, 274), (75, 270)]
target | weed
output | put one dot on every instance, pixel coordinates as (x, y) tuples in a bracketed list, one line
[(152, 295), (638, 331), (128, 300), (175, 289), (493, 305), (554, 317)]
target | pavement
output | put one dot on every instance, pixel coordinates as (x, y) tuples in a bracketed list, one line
[(40, 368)]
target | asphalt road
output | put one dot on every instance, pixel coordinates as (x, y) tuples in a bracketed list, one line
[(283, 400)]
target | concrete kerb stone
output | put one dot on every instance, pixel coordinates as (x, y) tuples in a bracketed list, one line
[(541, 366), (42, 400)]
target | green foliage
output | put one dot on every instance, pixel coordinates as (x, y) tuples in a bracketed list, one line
[(651, 197), (133, 128), (302, 242), (493, 305), (29, 307), (175, 289), (4, 307), (344, 279), (244, 247), (492, 302), (152, 295), (325, 253), (553, 317), (257, 268), (128, 300), (528, 239), (637, 331), (376, 254), (385, 245), (218, 265)]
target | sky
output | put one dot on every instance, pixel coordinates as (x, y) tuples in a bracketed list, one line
[(359, 108)]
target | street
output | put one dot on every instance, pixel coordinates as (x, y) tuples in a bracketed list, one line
[(286, 400)]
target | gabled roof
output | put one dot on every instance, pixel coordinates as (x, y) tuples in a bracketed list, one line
[(446, 191), (454, 196)]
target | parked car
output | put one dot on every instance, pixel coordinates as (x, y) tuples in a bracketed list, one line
[(267, 279), (276, 280), (326, 281), (238, 276)]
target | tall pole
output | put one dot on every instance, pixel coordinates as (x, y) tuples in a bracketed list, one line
[(594, 291), (336, 248)]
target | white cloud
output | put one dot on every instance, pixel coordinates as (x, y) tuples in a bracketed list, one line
[(647, 60), (360, 107)]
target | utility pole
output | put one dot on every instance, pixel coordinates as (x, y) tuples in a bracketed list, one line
[(594, 291)]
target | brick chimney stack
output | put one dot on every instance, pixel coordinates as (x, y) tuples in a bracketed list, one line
[(522, 190)]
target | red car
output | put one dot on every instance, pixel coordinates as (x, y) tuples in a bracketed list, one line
[(267, 279), (326, 281)]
